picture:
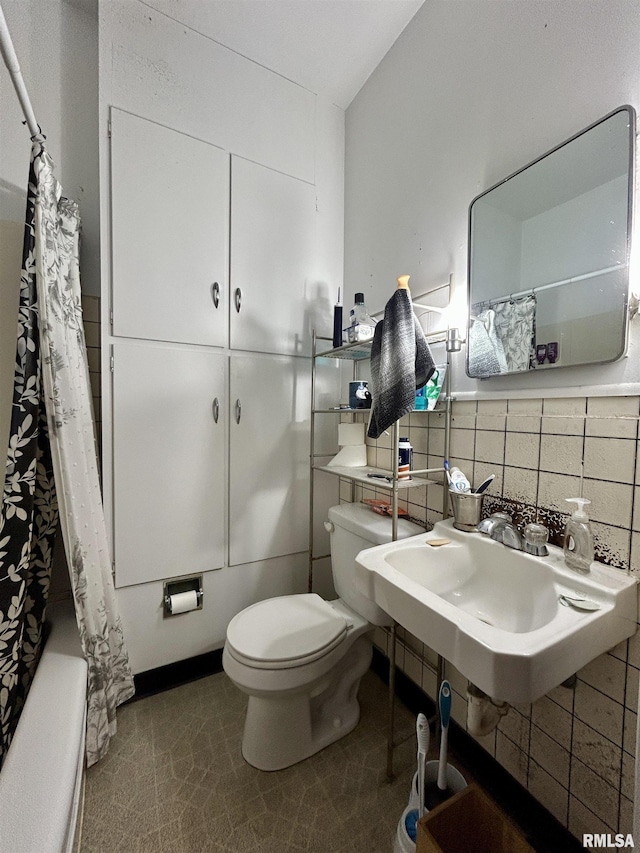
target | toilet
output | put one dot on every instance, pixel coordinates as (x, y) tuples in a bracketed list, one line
[(300, 658)]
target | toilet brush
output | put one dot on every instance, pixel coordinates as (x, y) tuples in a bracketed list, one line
[(422, 731), (422, 734), (441, 791)]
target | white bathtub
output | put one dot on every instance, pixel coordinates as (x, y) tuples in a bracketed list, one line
[(41, 779)]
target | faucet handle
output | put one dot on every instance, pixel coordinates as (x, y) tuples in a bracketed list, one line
[(536, 537), (488, 525)]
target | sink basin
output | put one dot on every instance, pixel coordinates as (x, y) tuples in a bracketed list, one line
[(496, 613)]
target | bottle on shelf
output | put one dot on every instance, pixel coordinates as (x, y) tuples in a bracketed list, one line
[(405, 459), (362, 324), (337, 323)]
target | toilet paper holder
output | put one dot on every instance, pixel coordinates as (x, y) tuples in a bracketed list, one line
[(193, 583)]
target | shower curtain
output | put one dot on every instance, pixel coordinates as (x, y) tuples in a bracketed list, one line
[(515, 321), (28, 512), (65, 376), (52, 260)]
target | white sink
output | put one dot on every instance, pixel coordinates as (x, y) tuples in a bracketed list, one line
[(495, 613)]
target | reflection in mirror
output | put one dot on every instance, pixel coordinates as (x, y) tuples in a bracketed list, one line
[(549, 257)]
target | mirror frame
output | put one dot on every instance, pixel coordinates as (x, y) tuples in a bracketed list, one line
[(630, 221)]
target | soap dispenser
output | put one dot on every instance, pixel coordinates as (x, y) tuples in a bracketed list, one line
[(578, 539)]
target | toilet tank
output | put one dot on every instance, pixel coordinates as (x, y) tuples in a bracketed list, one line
[(355, 527)]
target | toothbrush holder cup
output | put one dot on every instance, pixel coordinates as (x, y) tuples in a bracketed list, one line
[(467, 510)]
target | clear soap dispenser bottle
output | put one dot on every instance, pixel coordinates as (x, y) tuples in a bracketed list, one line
[(578, 538)]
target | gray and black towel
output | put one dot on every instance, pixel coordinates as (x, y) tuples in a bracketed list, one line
[(401, 362)]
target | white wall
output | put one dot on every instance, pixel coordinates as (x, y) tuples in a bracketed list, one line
[(472, 91), (56, 43)]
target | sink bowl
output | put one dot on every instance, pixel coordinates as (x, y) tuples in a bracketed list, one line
[(496, 613)]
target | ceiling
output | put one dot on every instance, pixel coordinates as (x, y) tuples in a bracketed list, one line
[(328, 46)]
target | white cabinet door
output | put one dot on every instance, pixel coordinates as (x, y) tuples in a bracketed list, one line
[(169, 461), (274, 288), (169, 233), (269, 405)]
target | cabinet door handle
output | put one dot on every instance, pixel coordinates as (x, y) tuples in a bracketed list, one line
[(238, 411), (238, 299), (215, 294), (216, 410)]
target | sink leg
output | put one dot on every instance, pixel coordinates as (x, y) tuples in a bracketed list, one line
[(391, 701)]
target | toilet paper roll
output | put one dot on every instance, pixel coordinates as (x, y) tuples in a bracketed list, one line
[(182, 602), (350, 435), (351, 457)]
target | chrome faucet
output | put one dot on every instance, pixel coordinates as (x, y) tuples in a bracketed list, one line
[(501, 528), (535, 540), (507, 533)]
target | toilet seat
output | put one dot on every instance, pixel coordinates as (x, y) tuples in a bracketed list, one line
[(285, 632)]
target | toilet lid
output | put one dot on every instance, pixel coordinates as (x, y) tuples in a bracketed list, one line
[(286, 631)]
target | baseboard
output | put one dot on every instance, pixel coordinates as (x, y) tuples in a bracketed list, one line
[(174, 674), (542, 830)]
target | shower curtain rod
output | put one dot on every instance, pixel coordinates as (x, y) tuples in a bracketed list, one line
[(11, 61)]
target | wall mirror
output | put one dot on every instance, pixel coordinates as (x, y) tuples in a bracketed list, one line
[(549, 257)]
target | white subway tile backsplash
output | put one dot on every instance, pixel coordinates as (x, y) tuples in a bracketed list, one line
[(599, 753), (90, 309), (564, 416), (490, 446), (612, 417), (606, 674), (553, 720), (596, 794), (520, 485), (630, 731), (609, 459), (612, 544), (625, 824), (462, 444), (563, 696), (513, 759), (631, 694), (464, 414), (524, 415), (522, 450), (582, 820), (552, 757), (611, 503), (517, 728), (492, 415), (627, 787), (436, 444), (561, 454), (599, 711), (553, 489), (547, 790), (634, 650)]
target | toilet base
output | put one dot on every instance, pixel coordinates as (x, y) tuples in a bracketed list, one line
[(282, 730)]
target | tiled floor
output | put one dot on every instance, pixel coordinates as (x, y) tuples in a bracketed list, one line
[(174, 780)]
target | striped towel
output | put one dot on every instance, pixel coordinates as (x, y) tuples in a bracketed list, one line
[(401, 362)]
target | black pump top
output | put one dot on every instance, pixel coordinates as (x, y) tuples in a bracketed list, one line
[(359, 298)]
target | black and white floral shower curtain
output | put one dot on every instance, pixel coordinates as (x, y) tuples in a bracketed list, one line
[(62, 382), (29, 512), (65, 377)]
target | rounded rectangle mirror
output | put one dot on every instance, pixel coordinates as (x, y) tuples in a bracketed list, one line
[(549, 257)]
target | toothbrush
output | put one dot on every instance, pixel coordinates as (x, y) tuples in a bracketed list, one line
[(423, 734), (484, 485), (447, 468), (444, 700)]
